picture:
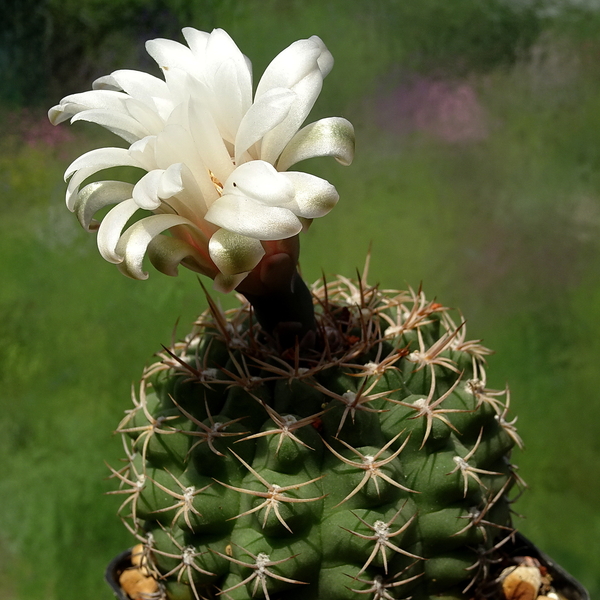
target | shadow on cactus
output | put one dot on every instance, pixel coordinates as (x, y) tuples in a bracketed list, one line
[(332, 443)]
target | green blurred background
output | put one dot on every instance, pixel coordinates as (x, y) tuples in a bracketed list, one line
[(477, 173)]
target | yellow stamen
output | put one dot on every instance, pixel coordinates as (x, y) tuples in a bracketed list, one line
[(218, 185)]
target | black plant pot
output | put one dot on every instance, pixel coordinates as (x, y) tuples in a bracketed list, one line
[(565, 584), (113, 572)]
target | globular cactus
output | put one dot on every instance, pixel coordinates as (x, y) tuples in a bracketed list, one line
[(372, 464)]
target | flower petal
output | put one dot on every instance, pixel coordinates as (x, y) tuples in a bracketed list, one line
[(158, 185), (96, 196), (171, 183), (134, 242), (230, 80), (325, 60), (144, 92), (265, 114), (122, 125), (70, 105), (197, 41), (166, 253), (314, 196), (137, 84), (170, 54), (333, 136), (147, 116), (260, 181), (144, 152), (301, 67), (145, 192), (277, 139), (90, 163), (111, 227), (106, 82), (175, 145), (208, 141), (253, 219), (101, 158), (228, 283), (234, 253), (290, 66)]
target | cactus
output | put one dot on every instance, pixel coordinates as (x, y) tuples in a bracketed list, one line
[(326, 444), (372, 465)]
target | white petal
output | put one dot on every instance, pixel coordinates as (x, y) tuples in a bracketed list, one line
[(267, 112), (143, 89), (171, 183), (175, 145), (307, 92), (260, 181), (111, 227), (145, 192), (225, 77), (179, 83), (208, 141), (123, 125), (169, 54), (146, 115), (251, 218), (57, 114), (134, 242), (314, 197), (221, 48), (301, 67), (179, 119), (166, 253), (71, 105), (333, 136), (325, 60), (144, 152), (136, 83), (230, 80), (96, 196), (228, 283), (228, 106), (234, 253), (73, 186), (290, 66), (197, 41), (101, 158), (90, 163), (306, 223), (158, 185), (106, 82)]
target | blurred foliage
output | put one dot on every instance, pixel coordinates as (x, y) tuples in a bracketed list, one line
[(504, 225), (461, 36), (50, 46)]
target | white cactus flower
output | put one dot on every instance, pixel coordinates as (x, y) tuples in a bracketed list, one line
[(215, 157)]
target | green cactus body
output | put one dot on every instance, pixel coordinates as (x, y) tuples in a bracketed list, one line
[(376, 467)]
